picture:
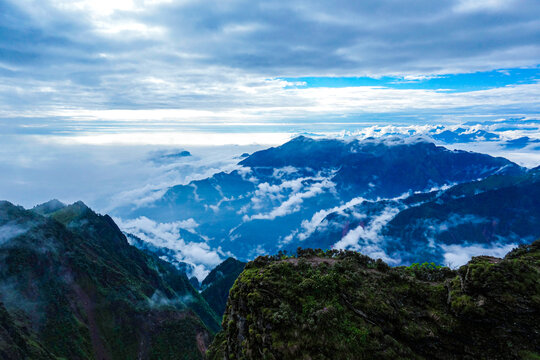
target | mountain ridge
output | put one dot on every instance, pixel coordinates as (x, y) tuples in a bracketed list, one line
[(216, 286), (81, 291), (344, 305), (278, 192)]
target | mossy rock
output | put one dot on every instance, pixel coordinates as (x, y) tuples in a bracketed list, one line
[(343, 305)]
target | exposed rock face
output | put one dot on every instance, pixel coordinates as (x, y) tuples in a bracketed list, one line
[(343, 305)]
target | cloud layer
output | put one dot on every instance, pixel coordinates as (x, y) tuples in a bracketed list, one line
[(167, 235), (186, 61)]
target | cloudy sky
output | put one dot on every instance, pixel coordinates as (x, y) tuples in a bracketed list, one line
[(92, 68), (83, 81)]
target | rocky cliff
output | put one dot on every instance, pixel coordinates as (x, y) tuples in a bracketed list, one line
[(343, 305)]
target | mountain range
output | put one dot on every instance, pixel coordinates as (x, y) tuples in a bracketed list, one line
[(73, 284), (356, 195)]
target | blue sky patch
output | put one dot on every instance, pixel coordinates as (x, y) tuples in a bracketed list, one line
[(451, 82)]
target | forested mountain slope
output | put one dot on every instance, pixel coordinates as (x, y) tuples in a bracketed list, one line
[(72, 287)]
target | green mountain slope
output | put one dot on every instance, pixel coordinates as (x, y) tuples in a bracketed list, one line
[(343, 305), (72, 287), (16, 342), (218, 283)]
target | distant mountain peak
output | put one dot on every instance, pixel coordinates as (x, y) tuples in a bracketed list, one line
[(8, 209), (49, 207), (80, 204), (72, 212), (317, 190), (302, 138), (5, 204), (306, 152)]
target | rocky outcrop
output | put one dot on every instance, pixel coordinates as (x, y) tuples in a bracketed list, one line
[(343, 305)]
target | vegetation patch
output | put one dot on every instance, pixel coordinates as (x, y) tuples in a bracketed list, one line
[(343, 305)]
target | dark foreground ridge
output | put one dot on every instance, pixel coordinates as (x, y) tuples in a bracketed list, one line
[(71, 287), (217, 284), (343, 305)]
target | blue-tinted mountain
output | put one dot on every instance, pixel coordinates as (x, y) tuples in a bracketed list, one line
[(49, 207), (520, 143), (73, 288), (163, 253), (164, 157), (461, 135), (276, 196), (499, 211)]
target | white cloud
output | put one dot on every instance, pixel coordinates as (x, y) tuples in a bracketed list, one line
[(158, 299), (259, 250), (369, 233), (140, 196), (278, 173), (269, 102), (483, 5), (309, 226), (457, 255), (194, 61), (434, 226), (506, 129), (367, 238), (294, 200), (105, 177), (95, 7), (172, 138), (11, 230), (276, 192), (129, 29), (167, 235)]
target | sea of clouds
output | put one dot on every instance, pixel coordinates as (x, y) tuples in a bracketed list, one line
[(108, 176)]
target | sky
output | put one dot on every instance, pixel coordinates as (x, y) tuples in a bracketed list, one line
[(86, 69)]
